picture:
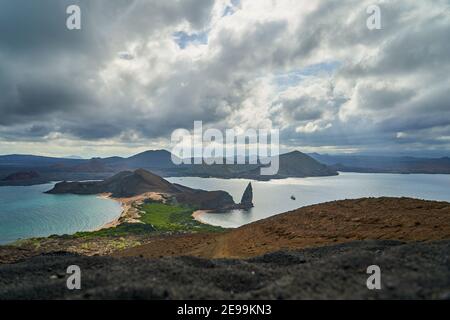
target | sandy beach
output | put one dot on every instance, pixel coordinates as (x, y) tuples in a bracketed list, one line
[(129, 213), (197, 215)]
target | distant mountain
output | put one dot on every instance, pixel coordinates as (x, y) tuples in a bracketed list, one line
[(294, 164), (147, 159), (151, 159), (19, 160), (298, 164), (384, 164), (22, 175), (92, 165), (132, 183), (157, 161)]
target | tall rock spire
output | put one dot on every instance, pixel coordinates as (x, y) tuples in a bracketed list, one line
[(247, 197)]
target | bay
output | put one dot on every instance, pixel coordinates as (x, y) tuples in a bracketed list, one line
[(27, 212), (273, 197)]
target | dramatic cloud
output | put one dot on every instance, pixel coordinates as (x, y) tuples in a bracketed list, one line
[(139, 69)]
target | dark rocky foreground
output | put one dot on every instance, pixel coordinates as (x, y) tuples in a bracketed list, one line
[(414, 270)]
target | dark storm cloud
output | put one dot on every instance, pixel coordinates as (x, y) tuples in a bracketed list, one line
[(34, 98), (263, 46), (393, 89), (303, 109), (124, 77), (51, 73)]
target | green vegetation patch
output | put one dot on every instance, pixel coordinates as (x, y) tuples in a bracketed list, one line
[(156, 217), (122, 230), (165, 217)]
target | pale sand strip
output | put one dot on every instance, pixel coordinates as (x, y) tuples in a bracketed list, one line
[(129, 213), (197, 215)]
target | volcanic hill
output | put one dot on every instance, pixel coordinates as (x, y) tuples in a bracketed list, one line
[(132, 183)]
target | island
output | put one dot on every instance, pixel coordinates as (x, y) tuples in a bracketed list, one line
[(129, 184)]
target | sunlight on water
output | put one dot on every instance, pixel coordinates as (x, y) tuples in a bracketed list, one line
[(28, 212), (273, 197)]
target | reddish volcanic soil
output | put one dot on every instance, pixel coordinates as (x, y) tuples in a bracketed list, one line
[(319, 225)]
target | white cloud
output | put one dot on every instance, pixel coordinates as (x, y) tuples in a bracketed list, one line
[(124, 80)]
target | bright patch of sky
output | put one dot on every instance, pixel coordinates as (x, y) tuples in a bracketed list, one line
[(184, 39), (231, 8), (294, 77)]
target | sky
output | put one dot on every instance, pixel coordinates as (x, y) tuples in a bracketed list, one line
[(138, 70)]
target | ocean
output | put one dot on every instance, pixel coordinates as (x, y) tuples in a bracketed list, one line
[(273, 197), (27, 212)]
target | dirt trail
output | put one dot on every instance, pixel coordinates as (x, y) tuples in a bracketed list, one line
[(329, 223), (220, 249)]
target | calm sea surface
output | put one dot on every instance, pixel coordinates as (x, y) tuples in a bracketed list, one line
[(28, 212), (274, 197)]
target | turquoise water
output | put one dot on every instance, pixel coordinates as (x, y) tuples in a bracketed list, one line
[(28, 212), (273, 197)]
